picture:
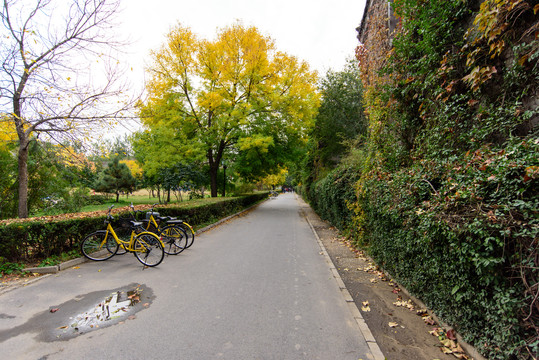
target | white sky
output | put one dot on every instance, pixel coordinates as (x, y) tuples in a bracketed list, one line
[(321, 32)]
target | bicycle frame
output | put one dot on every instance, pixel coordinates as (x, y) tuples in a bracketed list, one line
[(127, 245)]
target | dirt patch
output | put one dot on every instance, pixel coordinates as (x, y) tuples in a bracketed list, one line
[(12, 281), (395, 321)]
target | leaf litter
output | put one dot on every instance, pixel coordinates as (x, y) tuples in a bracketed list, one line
[(447, 339)]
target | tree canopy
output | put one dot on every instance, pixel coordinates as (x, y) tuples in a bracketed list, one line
[(341, 117), (235, 97)]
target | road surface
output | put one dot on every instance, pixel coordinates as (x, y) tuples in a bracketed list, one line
[(255, 287)]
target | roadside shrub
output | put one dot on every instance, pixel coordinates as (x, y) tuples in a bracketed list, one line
[(330, 197), (46, 237)]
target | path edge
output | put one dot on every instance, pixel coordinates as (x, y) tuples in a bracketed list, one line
[(363, 327)]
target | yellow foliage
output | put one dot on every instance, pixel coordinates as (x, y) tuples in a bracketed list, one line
[(260, 142), (276, 179), (7, 133), (134, 167), (221, 83), (70, 157)]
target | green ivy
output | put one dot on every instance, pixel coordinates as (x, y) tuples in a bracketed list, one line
[(8, 268), (461, 234)]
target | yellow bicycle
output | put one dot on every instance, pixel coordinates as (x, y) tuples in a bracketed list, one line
[(173, 231), (104, 244)]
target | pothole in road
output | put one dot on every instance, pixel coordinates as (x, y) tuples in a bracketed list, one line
[(118, 306), (85, 313)]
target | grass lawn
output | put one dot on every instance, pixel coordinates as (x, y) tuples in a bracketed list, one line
[(138, 198)]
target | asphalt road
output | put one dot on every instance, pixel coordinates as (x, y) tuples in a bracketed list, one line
[(255, 287)]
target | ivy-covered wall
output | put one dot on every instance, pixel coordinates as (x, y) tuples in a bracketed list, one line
[(446, 186)]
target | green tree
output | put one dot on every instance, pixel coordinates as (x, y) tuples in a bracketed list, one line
[(235, 96), (340, 124), (341, 115), (115, 179)]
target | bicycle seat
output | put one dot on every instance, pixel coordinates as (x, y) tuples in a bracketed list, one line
[(174, 221), (136, 223), (166, 218)]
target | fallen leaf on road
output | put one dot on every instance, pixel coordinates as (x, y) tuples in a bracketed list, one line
[(446, 350), (407, 304), (429, 320), (365, 306), (449, 346)]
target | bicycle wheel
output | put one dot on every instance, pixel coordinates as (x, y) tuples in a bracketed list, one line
[(148, 249), (190, 234), (99, 246), (174, 238)]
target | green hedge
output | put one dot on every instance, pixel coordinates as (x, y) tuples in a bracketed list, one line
[(44, 237), (330, 197)]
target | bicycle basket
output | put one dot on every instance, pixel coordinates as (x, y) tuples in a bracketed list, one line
[(123, 228)]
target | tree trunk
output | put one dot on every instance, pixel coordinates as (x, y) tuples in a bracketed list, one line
[(24, 142), (22, 178), (213, 179), (214, 161)]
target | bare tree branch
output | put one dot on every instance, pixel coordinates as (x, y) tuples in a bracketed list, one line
[(59, 74)]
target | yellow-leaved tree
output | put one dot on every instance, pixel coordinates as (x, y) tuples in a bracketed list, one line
[(235, 97), (134, 167)]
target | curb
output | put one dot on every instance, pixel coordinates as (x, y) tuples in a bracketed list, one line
[(43, 270), (54, 269), (364, 328), (468, 348)]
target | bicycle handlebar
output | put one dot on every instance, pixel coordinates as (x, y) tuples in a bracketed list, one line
[(109, 216)]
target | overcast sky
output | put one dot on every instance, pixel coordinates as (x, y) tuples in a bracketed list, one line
[(320, 32)]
